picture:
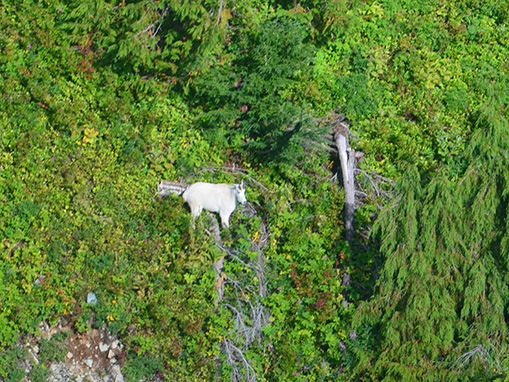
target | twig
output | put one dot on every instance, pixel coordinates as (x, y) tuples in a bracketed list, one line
[(219, 11), (370, 180), (243, 299), (232, 350), (478, 350)]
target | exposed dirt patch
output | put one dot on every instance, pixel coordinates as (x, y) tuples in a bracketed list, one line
[(94, 356)]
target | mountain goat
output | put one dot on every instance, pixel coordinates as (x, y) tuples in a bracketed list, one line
[(221, 198)]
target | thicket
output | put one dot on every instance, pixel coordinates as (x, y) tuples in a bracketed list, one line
[(102, 100)]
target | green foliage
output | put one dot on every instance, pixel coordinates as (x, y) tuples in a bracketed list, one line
[(82, 153), (250, 100), (10, 369), (142, 367), (410, 77), (307, 313), (442, 294), (53, 348), (39, 374), (158, 37), (102, 100)]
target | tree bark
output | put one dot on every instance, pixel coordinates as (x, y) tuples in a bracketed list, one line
[(347, 159)]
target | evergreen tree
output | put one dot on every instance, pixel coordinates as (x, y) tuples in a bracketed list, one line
[(250, 94), (440, 309), (154, 37)]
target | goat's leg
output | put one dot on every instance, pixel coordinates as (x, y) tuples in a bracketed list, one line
[(225, 217), (195, 212)]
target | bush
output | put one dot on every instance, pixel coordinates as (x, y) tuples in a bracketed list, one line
[(10, 359)]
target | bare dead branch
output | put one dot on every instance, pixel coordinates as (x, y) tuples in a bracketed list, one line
[(233, 356), (219, 11), (478, 351)]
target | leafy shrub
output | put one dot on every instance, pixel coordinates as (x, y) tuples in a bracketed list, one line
[(10, 369), (141, 367), (53, 348), (39, 374)]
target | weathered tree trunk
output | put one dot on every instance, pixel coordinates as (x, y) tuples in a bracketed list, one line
[(347, 159), (167, 187)]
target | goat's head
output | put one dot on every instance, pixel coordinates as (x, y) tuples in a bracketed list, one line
[(240, 193)]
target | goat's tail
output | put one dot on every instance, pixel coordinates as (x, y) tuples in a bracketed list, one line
[(167, 187)]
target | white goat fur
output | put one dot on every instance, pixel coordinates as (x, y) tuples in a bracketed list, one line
[(221, 198)]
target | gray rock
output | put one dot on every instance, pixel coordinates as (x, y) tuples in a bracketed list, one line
[(91, 298), (117, 373), (89, 362)]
